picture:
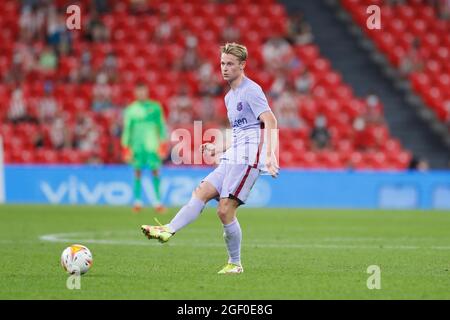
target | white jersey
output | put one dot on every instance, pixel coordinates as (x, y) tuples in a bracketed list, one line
[(244, 106)]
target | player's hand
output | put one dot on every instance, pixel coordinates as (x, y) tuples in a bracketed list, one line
[(208, 148), (127, 154), (272, 165)]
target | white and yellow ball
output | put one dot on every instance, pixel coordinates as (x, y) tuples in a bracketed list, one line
[(76, 259)]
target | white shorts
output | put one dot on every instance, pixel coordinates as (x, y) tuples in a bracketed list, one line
[(233, 180)]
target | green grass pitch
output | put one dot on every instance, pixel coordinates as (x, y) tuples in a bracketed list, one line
[(287, 254)]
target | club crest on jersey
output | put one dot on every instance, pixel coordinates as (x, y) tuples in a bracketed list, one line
[(239, 106)]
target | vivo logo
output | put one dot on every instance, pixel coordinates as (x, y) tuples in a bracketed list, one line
[(175, 191), (77, 191)]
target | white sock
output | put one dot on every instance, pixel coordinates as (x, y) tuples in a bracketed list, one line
[(187, 214), (233, 237)]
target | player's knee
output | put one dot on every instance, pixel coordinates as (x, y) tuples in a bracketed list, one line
[(196, 193), (199, 194), (222, 213), (225, 212), (155, 173)]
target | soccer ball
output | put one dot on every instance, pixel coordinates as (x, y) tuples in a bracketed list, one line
[(76, 259)]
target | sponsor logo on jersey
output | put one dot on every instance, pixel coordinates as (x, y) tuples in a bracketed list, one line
[(239, 122)]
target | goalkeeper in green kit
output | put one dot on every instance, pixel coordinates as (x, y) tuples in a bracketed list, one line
[(144, 142)]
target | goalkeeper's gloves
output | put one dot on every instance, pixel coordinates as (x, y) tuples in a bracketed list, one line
[(163, 150), (126, 154)]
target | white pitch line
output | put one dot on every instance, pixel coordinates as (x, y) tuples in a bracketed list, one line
[(78, 238)]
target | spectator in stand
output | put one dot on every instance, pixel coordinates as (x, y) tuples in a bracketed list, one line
[(368, 127), (31, 23), (418, 164), (443, 9), (102, 94), (17, 111), (278, 55), (59, 134), (395, 2), (66, 42), (83, 73), (85, 133), (286, 110), (164, 30), (48, 61), (38, 140), (16, 72), (27, 24), (299, 31), (110, 67), (115, 125), (230, 33), (206, 110), (360, 134), (57, 34), (181, 108), (412, 61), (304, 83), (47, 106), (139, 7), (208, 82), (320, 136), (190, 60), (94, 159), (101, 6), (23, 62), (96, 30), (373, 110), (278, 85)]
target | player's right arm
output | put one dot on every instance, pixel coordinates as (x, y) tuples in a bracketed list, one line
[(270, 125), (213, 149)]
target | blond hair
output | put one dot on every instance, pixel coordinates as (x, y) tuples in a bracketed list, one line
[(235, 49)]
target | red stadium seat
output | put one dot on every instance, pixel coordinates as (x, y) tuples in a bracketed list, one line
[(329, 159), (406, 22), (401, 160), (308, 53), (307, 159)]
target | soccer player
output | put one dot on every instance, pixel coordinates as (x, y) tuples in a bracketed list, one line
[(144, 142), (250, 154)]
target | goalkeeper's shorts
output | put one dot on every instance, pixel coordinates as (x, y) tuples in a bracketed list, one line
[(144, 160)]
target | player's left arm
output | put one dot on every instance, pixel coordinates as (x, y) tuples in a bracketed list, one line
[(260, 108), (271, 135), (162, 131)]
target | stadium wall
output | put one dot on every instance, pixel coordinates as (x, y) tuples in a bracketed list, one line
[(112, 185)]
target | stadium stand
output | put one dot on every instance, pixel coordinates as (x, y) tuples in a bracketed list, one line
[(416, 40), (63, 91)]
